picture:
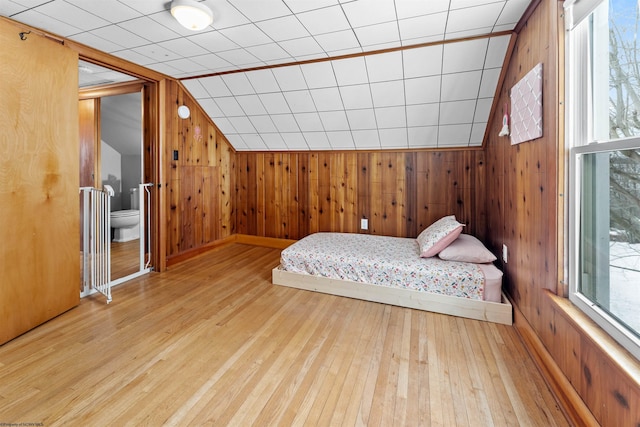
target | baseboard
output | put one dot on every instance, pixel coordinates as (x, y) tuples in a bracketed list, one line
[(200, 250), (269, 242), (568, 399)]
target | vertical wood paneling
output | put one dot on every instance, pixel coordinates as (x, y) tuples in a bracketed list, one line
[(200, 205), (291, 195)]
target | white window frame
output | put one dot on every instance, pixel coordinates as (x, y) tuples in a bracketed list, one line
[(580, 141)]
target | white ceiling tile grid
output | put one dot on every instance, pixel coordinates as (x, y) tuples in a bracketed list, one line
[(428, 89)]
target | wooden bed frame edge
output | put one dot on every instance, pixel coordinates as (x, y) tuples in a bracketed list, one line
[(472, 309)]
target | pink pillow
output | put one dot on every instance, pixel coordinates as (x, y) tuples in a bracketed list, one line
[(467, 248), (438, 236)]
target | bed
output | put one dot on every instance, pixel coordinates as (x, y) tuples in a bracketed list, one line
[(391, 270)]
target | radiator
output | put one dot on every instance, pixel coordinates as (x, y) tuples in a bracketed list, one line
[(96, 240)]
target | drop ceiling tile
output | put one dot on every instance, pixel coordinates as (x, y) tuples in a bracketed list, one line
[(327, 99), (39, 20), (275, 103), (71, 15), (361, 119), (148, 29), (334, 120), (300, 101), (460, 86), (211, 62), (424, 61), (229, 106), (136, 57), (253, 141), (350, 71), (454, 135), (423, 26), (393, 138), (263, 124), (290, 78), (225, 15), (242, 124), (456, 35), (238, 84), (236, 141), (295, 141), (285, 122), (483, 109), (423, 114), (457, 112), (366, 139), (356, 97), (319, 75), (384, 67), (512, 11), (263, 81), (213, 41), (461, 4), (186, 65), (379, 34), (388, 94), (156, 52), (261, 10), (225, 126), (301, 47), (238, 57), (317, 140), (338, 41), (423, 137), (163, 68), (269, 53), (246, 35), (215, 86), (285, 28), (391, 117), (183, 47), (298, 6), (410, 9), (120, 36), (96, 42), (496, 52), (341, 140), (195, 88), (166, 20), (210, 107), (477, 134), (422, 90), (474, 17), (251, 104), (503, 27), (111, 11), (274, 141), (369, 12), (147, 7), (464, 56), (326, 20), (309, 122)]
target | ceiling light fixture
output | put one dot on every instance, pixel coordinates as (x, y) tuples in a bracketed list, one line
[(191, 14)]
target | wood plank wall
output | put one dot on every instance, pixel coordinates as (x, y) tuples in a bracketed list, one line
[(523, 201), (291, 195), (200, 208)]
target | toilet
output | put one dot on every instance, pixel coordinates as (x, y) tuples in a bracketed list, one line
[(125, 223)]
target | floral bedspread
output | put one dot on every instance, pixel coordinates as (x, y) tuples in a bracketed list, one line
[(381, 260)]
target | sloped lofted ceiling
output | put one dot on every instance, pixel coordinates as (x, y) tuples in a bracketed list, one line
[(312, 74)]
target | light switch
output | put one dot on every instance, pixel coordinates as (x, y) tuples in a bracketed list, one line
[(364, 224)]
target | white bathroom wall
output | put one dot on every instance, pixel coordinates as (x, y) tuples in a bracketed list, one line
[(111, 166)]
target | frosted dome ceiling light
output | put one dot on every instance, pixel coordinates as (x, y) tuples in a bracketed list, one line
[(191, 14)]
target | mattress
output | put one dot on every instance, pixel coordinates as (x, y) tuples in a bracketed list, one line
[(390, 261)]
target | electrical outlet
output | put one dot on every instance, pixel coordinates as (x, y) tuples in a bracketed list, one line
[(505, 253), (364, 224)]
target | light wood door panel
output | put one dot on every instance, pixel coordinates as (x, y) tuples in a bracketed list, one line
[(39, 217)]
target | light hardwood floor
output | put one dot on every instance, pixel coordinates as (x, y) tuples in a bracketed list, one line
[(212, 342), (125, 258)]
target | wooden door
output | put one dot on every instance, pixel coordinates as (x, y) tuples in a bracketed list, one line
[(39, 218)]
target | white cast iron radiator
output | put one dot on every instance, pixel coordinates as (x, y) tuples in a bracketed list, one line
[(96, 240)]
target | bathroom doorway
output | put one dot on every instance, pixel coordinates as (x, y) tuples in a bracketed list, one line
[(121, 168)]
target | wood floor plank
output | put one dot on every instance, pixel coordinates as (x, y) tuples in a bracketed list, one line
[(212, 341)]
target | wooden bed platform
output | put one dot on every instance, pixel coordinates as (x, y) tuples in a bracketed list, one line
[(455, 306)]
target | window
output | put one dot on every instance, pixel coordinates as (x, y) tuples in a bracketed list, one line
[(603, 134)]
